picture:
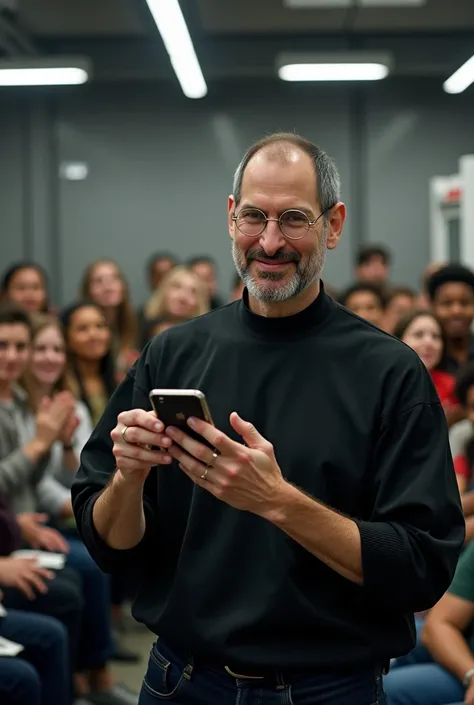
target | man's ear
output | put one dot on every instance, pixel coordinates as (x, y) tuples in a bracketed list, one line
[(336, 218)]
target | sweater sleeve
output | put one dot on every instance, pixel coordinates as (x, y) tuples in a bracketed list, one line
[(96, 470), (52, 496), (412, 541)]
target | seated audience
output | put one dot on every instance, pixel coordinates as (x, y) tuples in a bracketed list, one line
[(451, 292), (373, 265), (205, 268), (26, 440), (182, 295), (448, 637), (25, 284), (401, 301), (39, 674), (367, 301), (91, 367), (104, 284), (423, 332)]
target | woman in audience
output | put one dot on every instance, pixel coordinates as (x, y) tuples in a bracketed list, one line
[(91, 367), (423, 332), (182, 295), (45, 378), (105, 285), (25, 283)]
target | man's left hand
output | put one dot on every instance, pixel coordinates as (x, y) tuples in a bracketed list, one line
[(245, 477)]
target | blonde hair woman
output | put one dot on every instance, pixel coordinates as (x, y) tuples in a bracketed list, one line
[(182, 295)]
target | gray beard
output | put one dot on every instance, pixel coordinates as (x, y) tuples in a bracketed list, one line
[(308, 271)]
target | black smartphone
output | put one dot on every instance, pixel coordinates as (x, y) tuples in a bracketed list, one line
[(175, 406)]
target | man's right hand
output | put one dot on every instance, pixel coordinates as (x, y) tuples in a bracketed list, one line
[(25, 575), (134, 454)]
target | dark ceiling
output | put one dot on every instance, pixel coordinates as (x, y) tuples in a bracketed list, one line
[(238, 39)]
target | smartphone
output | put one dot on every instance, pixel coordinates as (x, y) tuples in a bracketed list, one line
[(175, 406)]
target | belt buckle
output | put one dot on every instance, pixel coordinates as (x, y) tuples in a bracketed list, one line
[(241, 676)]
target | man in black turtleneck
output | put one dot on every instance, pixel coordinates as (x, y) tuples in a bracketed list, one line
[(287, 567)]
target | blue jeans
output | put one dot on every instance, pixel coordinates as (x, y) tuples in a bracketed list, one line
[(40, 674), (96, 638), (423, 684), (172, 679)]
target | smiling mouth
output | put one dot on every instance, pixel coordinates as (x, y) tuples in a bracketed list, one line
[(273, 263)]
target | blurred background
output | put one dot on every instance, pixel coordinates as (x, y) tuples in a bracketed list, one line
[(126, 164), (122, 123)]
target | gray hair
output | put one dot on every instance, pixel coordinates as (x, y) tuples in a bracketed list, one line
[(328, 181)]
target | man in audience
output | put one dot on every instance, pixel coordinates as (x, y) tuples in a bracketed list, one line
[(205, 268), (258, 588), (159, 264), (451, 292), (367, 301), (373, 265), (449, 640)]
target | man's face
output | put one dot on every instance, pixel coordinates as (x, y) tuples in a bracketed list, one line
[(14, 351), (273, 267), (454, 307), (366, 305), (375, 271), (207, 274), (159, 269)]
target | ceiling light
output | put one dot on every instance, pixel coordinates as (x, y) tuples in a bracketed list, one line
[(33, 71), (177, 40), (333, 72), (461, 79), (336, 4), (352, 66)]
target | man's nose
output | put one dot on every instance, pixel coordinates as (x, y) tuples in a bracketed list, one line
[(272, 239)]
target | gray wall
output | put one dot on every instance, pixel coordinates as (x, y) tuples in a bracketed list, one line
[(160, 169)]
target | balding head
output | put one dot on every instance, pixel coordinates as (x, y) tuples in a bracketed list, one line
[(286, 148)]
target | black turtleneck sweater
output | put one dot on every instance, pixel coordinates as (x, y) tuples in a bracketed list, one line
[(355, 422)]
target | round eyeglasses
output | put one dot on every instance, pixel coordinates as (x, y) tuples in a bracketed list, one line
[(293, 223)]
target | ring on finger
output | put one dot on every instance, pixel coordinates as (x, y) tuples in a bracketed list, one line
[(124, 434), (209, 465)]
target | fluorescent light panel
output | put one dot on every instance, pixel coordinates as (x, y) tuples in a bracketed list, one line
[(461, 79), (352, 66), (337, 4), (177, 40), (35, 71), (333, 72)]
